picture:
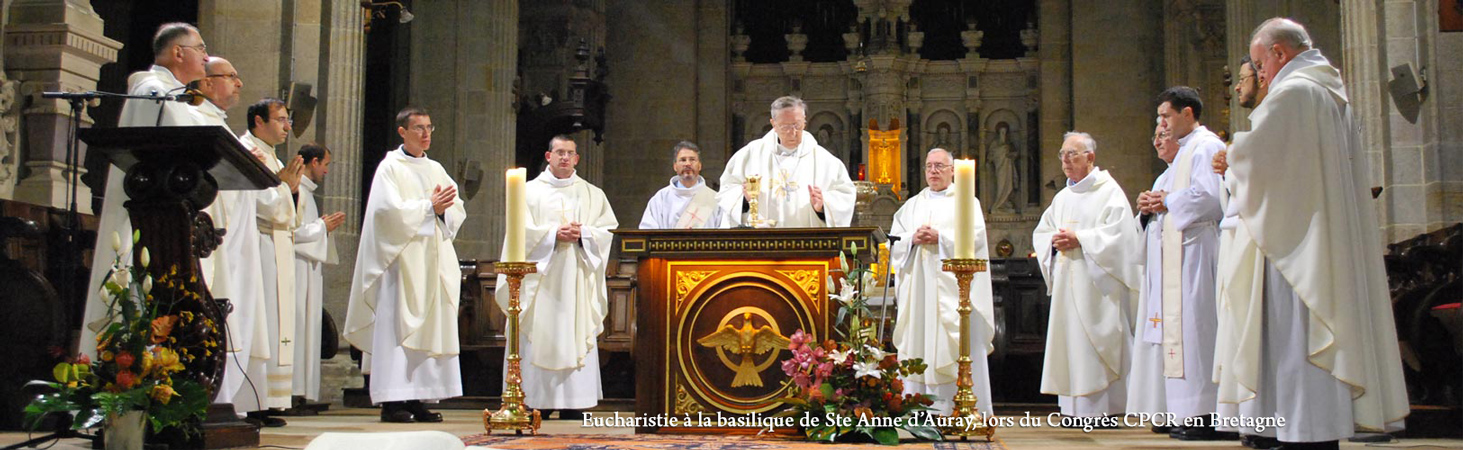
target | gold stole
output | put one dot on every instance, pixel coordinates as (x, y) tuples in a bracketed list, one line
[(1173, 280)]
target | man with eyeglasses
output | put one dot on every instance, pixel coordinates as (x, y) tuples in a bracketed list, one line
[(802, 184), (1312, 337), (927, 325), (274, 330), (407, 286), (1181, 240), (688, 202), (177, 60), (1084, 245), (565, 303)]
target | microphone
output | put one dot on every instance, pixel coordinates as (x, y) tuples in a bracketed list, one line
[(881, 237), (191, 95)]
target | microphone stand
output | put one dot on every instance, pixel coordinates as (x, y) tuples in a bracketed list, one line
[(888, 282)]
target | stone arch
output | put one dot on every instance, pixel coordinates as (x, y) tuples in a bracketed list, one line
[(836, 139), (942, 124)]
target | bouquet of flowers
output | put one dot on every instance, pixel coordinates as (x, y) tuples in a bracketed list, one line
[(140, 363), (852, 386)]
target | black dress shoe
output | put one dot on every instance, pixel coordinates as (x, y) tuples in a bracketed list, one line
[(262, 419), (420, 413), (571, 414), (395, 412), (1327, 445), (1199, 434), (1258, 442), (1162, 430)]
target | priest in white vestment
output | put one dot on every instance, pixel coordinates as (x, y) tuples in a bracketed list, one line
[(406, 289), (688, 202), (802, 184), (1177, 325), (269, 126), (928, 324), (564, 304), (1314, 339), (314, 248), (1086, 244), (179, 57)]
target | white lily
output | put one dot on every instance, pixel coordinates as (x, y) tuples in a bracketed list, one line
[(869, 368), (146, 258), (121, 276), (147, 284), (875, 352), (838, 356), (116, 242), (847, 296)]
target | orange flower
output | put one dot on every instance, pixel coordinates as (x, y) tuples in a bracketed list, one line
[(897, 385), (126, 379), (863, 412), (163, 393), (162, 327), (125, 360)]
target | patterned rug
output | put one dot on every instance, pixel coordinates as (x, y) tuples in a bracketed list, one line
[(697, 442)]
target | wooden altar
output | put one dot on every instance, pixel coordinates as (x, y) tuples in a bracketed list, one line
[(716, 308)]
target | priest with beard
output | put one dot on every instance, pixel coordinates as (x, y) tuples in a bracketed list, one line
[(1085, 244), (803, 185), (564, 304), (688, 202), (928, 324)]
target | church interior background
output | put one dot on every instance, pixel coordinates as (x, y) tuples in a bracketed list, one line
[(885, 80)]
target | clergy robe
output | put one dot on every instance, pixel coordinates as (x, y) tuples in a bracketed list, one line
[(406, 287), (565, 302), (234, 273), (786, 176), (114, 217), (928, 324), (676, 206), (1314, 339), (276, 220), (1194, 212), (313, 249), (1094, 291)]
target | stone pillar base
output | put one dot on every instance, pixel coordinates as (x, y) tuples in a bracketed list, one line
[(46, 185)]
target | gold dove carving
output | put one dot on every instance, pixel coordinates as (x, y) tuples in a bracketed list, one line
[(748, 343)]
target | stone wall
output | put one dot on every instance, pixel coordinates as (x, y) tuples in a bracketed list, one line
[(1116, 105)]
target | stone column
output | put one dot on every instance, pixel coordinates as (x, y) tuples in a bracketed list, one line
[(9, 117), (338, 118), (713, 118), (52, 45), (1055, 112), (463, 61), (252, 36)]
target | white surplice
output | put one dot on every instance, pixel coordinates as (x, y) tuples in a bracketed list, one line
[(1194, 211), (676, 206), (276, 223), (1314, 326), (1094, 291), (407, 284), (564, 304), (114, 218), (928, 324), (786, 175), (314, 248)]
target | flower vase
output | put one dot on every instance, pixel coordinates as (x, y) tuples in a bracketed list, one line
[(125, 431)]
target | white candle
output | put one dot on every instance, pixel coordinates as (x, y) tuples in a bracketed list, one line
[(964, 209), (517, 206)]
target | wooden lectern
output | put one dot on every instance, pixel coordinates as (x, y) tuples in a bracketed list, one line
[(173, 173), (716, 308)]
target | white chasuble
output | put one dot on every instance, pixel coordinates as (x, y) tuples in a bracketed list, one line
[(1298, 179), (1094, 291), (928, 323), (564, 304), (114, 218), (786, 175), (314, 248), (681, 207), (406, 288)]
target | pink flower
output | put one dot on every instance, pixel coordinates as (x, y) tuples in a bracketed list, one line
[(824, 370)]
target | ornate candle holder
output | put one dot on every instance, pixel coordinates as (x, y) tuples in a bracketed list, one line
[(513, 415), (965, 409)]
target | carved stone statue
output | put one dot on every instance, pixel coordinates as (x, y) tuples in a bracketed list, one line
[(942, 136), (1001, 157)]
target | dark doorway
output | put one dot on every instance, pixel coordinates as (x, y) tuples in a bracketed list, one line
[(388, 74)]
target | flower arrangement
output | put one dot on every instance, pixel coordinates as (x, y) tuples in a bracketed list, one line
[(852, 386), (141, 364)]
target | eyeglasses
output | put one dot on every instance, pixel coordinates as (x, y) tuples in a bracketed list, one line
[(1068, 155), (1246, 77), (565, 153), (424, 129), (286, 120), (234, 76), (936, 167), (792, 126), (201, 47)]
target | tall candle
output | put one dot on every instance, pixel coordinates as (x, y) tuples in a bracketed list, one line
[(517, 206), (964, 209)]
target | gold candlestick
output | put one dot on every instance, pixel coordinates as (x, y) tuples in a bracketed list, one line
[(965, 409), (513, 415)]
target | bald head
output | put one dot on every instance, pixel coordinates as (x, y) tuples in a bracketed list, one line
[(1274, 44), (221, 84)]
